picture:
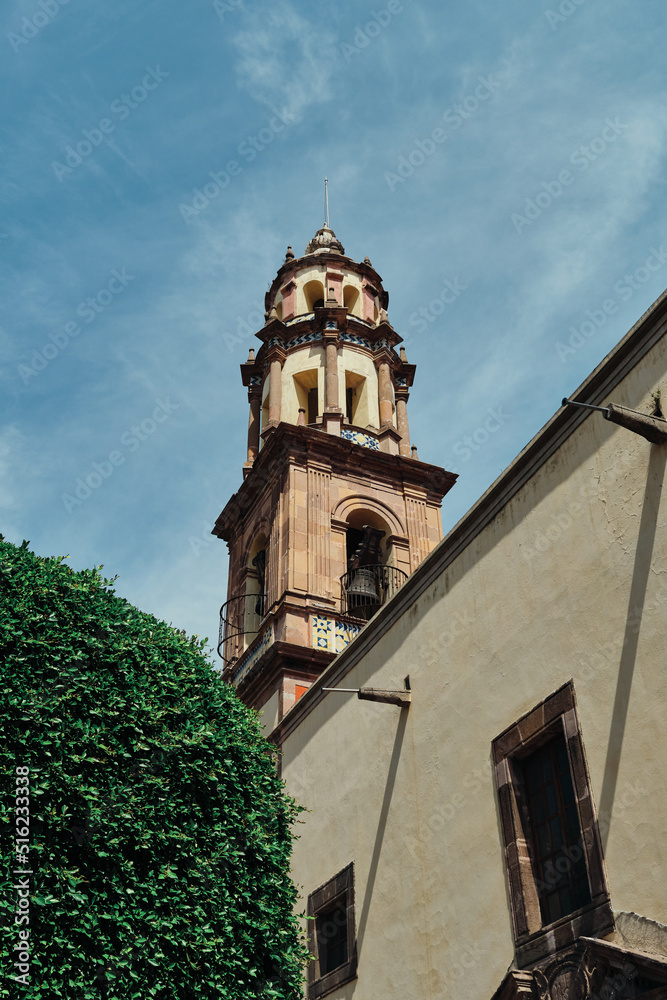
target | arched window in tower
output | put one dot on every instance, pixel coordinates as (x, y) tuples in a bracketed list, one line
[(279, 310), (356, 408), (307, 391), (351, 299), (371, 578), (314, 295), (255, 588)]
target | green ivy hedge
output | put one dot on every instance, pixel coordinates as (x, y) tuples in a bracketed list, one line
[(160, 834)]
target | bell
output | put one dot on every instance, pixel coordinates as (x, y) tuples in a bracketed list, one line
[(363, 587)]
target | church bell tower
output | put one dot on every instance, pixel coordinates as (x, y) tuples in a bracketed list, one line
[(335, 509)]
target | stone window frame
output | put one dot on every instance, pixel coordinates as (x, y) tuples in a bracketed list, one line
[(339, 887), (556, 715)]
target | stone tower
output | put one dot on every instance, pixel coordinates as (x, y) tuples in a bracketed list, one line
[(335, 509)]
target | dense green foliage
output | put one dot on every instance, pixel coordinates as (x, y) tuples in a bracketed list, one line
[(160, 834)]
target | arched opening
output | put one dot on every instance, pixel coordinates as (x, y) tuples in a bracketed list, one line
[(360, 521), (356, 405), (350, 299), (314, 295), (307, 391), (279, 310), (255, 587), (371, 578)]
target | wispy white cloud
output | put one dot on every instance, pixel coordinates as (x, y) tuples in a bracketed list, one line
[(285, 60)]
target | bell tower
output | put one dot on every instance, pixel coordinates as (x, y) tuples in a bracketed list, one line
[(335, 509)]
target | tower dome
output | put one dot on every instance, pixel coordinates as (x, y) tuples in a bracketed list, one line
[(325, 239)]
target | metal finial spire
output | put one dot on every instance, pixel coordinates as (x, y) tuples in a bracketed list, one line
[(326, 202)]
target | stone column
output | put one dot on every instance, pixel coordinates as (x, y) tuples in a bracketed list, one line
[(255, 400), (402, 422), (275, 391), (333, 415), (331, 401), (384, 393)]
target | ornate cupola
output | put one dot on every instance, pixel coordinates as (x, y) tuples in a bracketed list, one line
[(335, 510)]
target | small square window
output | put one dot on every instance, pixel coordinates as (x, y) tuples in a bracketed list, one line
[(332, 934)]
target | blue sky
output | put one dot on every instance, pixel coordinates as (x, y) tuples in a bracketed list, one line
[(503, 166)]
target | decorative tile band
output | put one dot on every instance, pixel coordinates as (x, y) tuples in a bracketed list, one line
[(246, 663), (314, 335), (357, 437), (332, 635), (304, 338)]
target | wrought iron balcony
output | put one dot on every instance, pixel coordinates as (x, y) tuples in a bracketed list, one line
[(240, 620), (364, 590)]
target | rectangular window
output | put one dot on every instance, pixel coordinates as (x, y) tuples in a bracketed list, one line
[(349, 404), (331, 929), (560, 867), (332, 934), (553, 852), (312, 406)]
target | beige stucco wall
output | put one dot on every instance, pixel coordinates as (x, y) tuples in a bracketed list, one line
[(569, 581), (368, 410), (268, 717)]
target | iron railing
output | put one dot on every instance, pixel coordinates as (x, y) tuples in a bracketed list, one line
[(363, 591), (240, 617)]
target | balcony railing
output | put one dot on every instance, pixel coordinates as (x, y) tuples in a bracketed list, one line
[(363, 591), (240, 619)]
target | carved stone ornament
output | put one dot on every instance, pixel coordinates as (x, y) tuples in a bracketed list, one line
[(325, 239), (570, 979)]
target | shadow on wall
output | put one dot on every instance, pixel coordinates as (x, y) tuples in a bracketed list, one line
[(640, 575), (382, 823)]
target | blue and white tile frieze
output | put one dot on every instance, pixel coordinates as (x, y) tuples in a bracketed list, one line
[(358, 437), (332, 635), (246, 663)]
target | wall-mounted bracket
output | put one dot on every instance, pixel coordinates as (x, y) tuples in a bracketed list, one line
[(654, 429), (385, 697)]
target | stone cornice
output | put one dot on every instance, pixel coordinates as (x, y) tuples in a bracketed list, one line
[(290, 443), (644, 335)]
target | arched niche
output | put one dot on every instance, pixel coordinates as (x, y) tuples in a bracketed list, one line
[(313, 292), (356, 512)]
